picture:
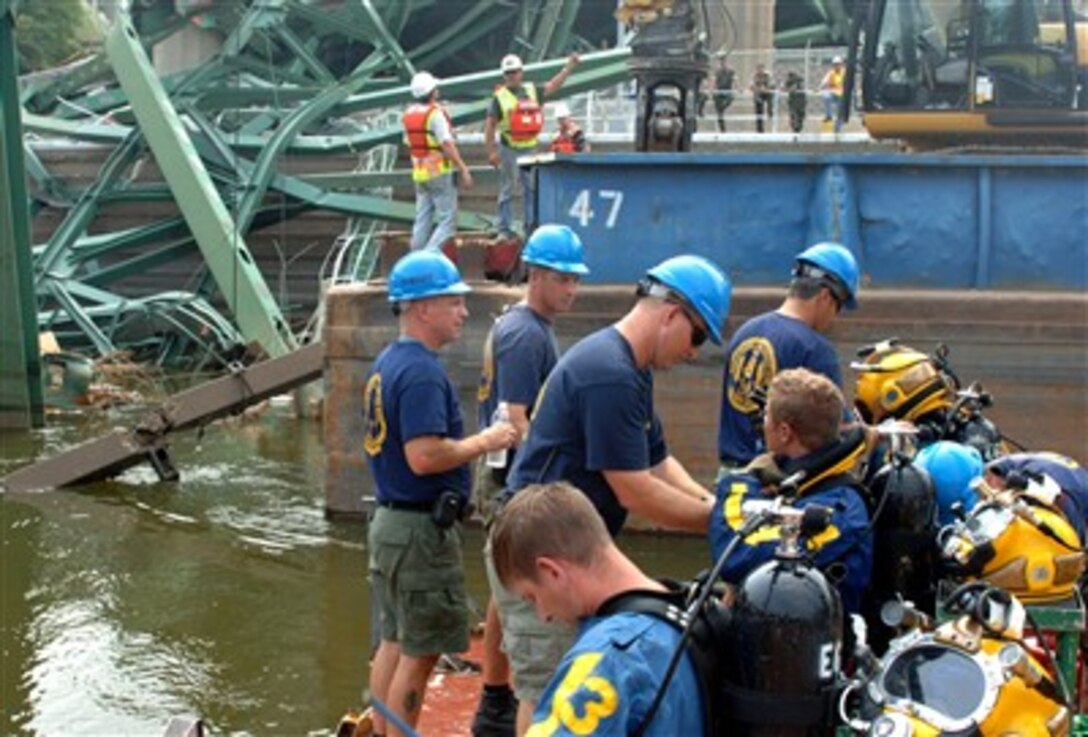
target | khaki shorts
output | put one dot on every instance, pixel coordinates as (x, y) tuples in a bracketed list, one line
[(534, 648), (418, 575), (485, 491)]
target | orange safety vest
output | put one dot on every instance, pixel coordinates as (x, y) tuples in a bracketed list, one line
[(563, 145), (521, 119), (428, 160)]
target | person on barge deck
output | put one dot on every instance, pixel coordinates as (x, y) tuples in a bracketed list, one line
[(419, 459)]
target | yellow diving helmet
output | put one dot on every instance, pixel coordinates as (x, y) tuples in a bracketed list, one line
[(969, 676), (897, 381), (1019, 541)]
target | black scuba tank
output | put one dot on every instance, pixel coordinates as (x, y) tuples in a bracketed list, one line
[(782, 661), (904, 510)]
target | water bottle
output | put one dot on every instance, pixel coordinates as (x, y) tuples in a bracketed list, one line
[(497, 458)]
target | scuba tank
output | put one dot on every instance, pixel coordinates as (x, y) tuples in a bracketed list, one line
[(780, 661), (970, 677), (1017, 539), (904, 513)]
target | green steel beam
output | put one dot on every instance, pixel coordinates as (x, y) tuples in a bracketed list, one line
[(249, 63), (386, 40), (330, 21), (278, 142), (21, 392), (547, 19), (318, 71), (222, 245), (58, 290), (481, 84), (475, 23), (561, 39), (53, 261), (591, 74), (356, 180)]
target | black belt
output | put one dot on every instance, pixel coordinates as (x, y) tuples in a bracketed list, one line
[(408, 506)]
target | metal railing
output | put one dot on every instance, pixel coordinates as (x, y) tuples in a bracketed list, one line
[(609, 114)]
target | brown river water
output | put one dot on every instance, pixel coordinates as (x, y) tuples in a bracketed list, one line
[(227, 595)]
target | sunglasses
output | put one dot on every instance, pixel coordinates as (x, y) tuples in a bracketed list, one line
[(839, 299), (698, 332)]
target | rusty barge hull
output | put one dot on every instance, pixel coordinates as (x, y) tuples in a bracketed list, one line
[(1029, 350)]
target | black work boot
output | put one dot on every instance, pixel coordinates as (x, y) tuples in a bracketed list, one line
[(497, 713)]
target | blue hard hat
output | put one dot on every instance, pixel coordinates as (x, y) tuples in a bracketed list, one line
[(701, 284), (555, 247), (834, 262), (952, 466), (424, 274)]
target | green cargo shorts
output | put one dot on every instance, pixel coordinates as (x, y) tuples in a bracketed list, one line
[(486, 491), (534, 647), (418, 575)]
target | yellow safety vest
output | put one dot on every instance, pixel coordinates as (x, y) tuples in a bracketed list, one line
[(521, 119), (835, 81)]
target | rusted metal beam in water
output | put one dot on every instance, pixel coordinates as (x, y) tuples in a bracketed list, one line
[(112, 454)]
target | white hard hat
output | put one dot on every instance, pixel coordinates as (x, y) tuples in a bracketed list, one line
[(510, 63), (836, 60), (561, 110), (423, 84)]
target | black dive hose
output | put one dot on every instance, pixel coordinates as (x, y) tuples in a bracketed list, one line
[(747, 529)]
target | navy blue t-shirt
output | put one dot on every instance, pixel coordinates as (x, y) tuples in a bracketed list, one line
[(520, 353), (408, 395), (762, 347), (595, 413)]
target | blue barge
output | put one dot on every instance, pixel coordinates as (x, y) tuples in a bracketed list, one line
[(943, 221)]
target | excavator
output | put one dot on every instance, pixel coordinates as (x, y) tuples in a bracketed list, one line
[(937, 73)]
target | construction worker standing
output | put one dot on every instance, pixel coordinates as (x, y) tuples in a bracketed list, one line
[(429, 132), (831, 89), (516, 115)]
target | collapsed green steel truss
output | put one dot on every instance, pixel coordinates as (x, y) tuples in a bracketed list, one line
[(291, 79)]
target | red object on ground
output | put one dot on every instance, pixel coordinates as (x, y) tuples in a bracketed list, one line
[(502, 258), (452, 698), (449, 250)]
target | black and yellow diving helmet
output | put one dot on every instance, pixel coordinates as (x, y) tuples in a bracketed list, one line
[(1019, 540), (899, 382)]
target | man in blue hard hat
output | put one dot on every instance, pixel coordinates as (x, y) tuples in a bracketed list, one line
[(825, 280), (595, 426), (419, 458), (519, 353)]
